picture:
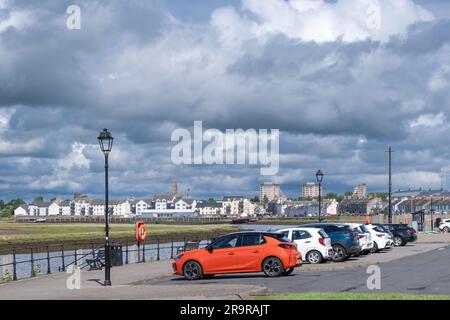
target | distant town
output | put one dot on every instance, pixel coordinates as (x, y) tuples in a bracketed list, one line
[(271, 202)]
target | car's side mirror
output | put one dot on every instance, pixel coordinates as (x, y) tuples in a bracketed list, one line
[(210, 249)]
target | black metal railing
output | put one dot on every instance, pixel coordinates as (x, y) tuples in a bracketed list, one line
[(25, 261)]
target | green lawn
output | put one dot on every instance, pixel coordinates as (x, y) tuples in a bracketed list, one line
[(20, 233), (351, 296)]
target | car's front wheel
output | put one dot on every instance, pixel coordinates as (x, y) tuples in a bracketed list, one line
[(339, 253), (446, 230), (192, 270), (314, 257), (272, 267), (398, 241)]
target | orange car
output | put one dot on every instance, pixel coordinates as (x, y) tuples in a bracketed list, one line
[(242, 252)]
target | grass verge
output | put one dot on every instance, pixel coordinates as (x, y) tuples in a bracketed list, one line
[(351, 296), (12, 233)]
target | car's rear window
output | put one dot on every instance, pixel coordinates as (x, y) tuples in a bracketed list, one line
[(323, 234), (379, 229), (364, 228)]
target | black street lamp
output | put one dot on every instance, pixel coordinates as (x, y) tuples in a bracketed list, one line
[(105, 140), (431, 212), (319, 177)]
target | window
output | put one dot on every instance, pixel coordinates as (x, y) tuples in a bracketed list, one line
[(227, 242), (300, 235), (252, 240), (329, 229), (285, 234)]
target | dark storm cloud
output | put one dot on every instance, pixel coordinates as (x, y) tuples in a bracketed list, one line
[(138, 71)]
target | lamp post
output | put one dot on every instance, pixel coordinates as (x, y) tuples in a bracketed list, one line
[(105, 140), (431, 212), (319, 177)]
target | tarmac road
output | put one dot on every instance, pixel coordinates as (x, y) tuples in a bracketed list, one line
[(424, 273)]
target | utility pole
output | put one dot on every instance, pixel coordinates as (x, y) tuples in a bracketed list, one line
[(390, 151)]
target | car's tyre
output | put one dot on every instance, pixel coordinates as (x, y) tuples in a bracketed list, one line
[(314, 257), (374, 248), (398, 241), (446, 230), (339, 253), (192, 270), (288, 272), (272, 267)]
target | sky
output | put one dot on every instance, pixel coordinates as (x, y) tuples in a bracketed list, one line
[(340, 80)]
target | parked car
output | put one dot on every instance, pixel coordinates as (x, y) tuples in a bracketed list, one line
[(242, 252), (313, 244), (381, 239), (344, 240), (444, 226), (364, 237), (402, 233)]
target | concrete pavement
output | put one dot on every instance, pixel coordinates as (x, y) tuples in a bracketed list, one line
[(423, 272)]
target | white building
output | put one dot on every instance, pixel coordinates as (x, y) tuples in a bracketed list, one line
[(210, 208), (143, 205), (65, 208), (360, 191), (53, 209), (311, 190), (21, 211), (269, 191), (116, 208)]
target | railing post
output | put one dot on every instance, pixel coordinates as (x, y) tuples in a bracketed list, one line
[(171, 249), (48, 261), (126, 252), (138, 251), (14, 265), (75, 254), (143, 251), (93, 250), (33, 274), (157, 250), (62, 258)]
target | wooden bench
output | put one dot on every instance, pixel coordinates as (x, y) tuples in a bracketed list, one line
[(98, 262), (188, 246)]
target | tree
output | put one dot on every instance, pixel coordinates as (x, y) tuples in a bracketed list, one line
[(265, 201), (8, 209), (255, 199), (38, 199), (2, 204)]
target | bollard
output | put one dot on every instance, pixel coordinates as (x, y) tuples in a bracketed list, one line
[(75, 254), (138, 252), (126, 252), (33, 274), (171, 249), (63, 267), (48, 261), (143, 251), (157, 250), (14, 265)]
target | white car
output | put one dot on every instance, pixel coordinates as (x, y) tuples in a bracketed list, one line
[(381, 239), (313, 243), (444, 226), (364, 237)]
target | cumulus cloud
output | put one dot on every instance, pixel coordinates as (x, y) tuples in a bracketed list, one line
[(341, 80)]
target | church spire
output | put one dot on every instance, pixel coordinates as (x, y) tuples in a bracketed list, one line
[(174, 187)]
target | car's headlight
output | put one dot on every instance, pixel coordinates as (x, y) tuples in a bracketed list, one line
[(380, 235), (178, 257)]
